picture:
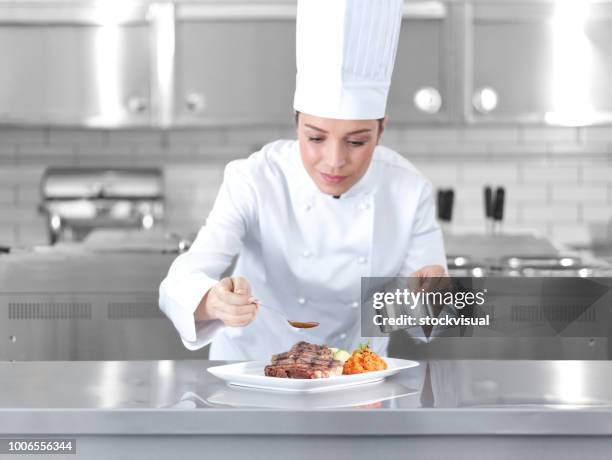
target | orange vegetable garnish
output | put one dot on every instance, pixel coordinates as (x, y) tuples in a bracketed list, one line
[(364, 360)]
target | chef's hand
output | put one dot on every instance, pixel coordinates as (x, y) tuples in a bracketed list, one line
[(431, 278), (230, 301)]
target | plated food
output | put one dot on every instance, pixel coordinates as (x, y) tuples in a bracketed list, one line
[(310, 361), (252, 374)]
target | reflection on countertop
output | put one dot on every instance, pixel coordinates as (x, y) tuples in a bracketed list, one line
[(95, 396)]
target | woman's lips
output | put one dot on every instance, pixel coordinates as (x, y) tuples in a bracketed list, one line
[(331, 179)]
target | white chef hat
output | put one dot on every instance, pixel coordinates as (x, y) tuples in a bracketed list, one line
[(345, 51)]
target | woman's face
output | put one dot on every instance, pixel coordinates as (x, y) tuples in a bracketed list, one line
[(336, 153)]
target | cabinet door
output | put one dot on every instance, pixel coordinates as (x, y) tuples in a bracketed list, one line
[(77, 74), (235, 70), (419, 87), (510, 54), (598, 31), (542, 62)]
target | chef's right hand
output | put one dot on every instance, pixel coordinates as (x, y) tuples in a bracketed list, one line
[(230, 301)]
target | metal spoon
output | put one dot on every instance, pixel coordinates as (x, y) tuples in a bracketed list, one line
[(296, 324)]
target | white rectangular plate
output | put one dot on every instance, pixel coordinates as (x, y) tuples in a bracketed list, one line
[(251, 374)]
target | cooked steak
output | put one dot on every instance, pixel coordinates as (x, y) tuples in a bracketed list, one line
[(304, 350), (304, 361)]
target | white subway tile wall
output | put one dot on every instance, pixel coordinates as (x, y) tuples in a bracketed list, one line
[(558, 180)]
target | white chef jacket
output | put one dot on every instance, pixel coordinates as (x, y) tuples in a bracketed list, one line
[(302, 251)]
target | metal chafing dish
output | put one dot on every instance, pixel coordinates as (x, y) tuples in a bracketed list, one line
[(571, 272), (79, 200), (531, 266), (557, 266), (465, 266), (541, 262)]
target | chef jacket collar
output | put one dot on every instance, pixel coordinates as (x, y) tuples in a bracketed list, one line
[(365, 186)]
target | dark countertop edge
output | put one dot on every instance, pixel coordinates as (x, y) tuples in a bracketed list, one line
[(358, 422)]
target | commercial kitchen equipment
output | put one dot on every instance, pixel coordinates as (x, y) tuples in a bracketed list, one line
[(66, 302), (509, 255), (76, 201)]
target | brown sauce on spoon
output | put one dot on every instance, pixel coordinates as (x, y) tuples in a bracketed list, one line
[(303, 324)]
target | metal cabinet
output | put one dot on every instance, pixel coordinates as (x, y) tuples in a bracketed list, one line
[(598, 32), (243, 67), (61, 67), (197, 62), (540, 62), (420, 88), (234, 66)]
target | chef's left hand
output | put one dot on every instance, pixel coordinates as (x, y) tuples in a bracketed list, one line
[(429, 278)]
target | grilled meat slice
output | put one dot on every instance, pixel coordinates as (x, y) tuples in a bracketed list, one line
[(305, 349), (304, 361)]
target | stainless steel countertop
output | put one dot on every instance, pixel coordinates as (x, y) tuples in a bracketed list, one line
[(180, 397)]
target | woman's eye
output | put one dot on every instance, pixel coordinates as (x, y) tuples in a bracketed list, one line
[(356, 143), (315, 139)]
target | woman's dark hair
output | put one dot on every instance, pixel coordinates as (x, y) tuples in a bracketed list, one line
[(380, 120)]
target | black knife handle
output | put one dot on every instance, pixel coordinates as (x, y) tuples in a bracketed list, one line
[(440, 204), (450, 203), (445, 200), (500, 198), (488, 200)]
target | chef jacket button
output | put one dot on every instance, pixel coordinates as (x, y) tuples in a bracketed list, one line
[(362, 260), (306, 254), (301, 300), (308, 207), (343, 336), (364, 206), (355, 305)]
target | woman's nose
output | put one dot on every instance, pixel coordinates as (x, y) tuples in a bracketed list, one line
[(335, 157)]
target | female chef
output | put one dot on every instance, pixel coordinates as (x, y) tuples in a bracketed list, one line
[(307, 219)]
